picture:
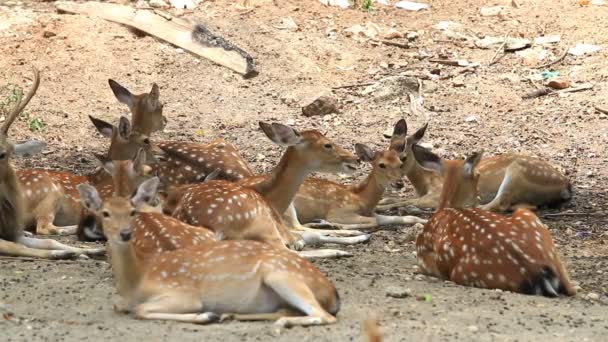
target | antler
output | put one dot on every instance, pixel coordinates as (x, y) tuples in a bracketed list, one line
[(10, 118)]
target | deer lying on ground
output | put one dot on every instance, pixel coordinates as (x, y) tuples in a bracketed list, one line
[(51, 198), (506, 181), (242, 213), (245, 280), (353, 207), (179, 162), (13, 241), (125, 142), (475, 247)]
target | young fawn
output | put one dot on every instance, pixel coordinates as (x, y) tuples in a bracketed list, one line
[(125, 142), (243, 213), (51, 199), (146, 109), (246, 280), (179, 162), (13, 241), (506, 181), (475, 247), (353, 207)]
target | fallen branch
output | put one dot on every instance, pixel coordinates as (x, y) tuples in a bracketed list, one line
[(550, 215), (450, 62), (537, 93), (559, 59), (391, 43), (601, 110), (494, 59), (585, 86), (470, 68), (193, 38), (354, 85)]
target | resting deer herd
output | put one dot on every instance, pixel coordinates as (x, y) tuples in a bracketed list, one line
[(195, 236)]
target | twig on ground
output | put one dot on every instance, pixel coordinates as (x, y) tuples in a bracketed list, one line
[(585, 86), (494, 59), (559, 59), (354, 85), (470, 68), (391, 43), (537, 93), (601, 110), (549, 215)]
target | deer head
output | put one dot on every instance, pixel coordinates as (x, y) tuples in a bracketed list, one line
[(124, 142), (146, 109), (387, 165), (117, 213), (406, 145), (321, 154), (459, 178)]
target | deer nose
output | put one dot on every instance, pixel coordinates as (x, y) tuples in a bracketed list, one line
[(125, 234)]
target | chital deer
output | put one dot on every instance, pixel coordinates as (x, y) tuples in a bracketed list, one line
[(353, 207), (146, 109), (13, 241), (506, 181), (475, 247), (179, 162), (242, 213), (246, 280), (51, 198), (125, 142)]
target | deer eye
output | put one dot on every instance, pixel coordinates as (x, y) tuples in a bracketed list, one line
[(105, 214), (2, 155), (382, 166), (147, 141), (328, 146), (403, 158), (132, 213)]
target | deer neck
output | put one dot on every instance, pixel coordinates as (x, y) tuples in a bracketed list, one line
[(370, 191), (280, 188), (98, 176), (126, 267), (424, 181), (11, 207)]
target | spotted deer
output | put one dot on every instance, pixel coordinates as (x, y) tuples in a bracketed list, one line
[(146, 109), (506, 181), (51, 198), (244, 280), (180, 162), (125, 142), (13, 241), (239, 212), (353, 207), (476, 247)]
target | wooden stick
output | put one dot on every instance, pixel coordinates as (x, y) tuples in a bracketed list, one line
[(601, 110), (586, 86), (561, 58), (354, 85), (460, 72), (549, 215), (391, 43), (193, 38), (500, 48), (450, 62), (537, 93)]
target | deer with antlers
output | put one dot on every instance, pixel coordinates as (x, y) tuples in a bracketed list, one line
[(13, 241), (476, 247), (245, 280), (239, 212), (506, 181), (353, 207)]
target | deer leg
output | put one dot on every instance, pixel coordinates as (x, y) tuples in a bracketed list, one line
[(272, 316), (324, 254), (50, 244), (427, 201), (384, 220), (175, 307), (18, 250), (317, 239), (298, 295)]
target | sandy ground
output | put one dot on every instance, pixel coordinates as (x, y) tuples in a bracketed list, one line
[(72, 300)]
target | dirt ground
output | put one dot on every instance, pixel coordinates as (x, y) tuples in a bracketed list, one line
[(482, 109)]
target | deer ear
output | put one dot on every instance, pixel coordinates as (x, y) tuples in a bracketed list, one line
[(122, 94), (365, 153), (139, 160), (154, 96), (103, 127), (89, 197), (416, 137), (281, 134), (471, 162), (146, 192), (427, 159), (124, 128), (399, 137), (28, 148)]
